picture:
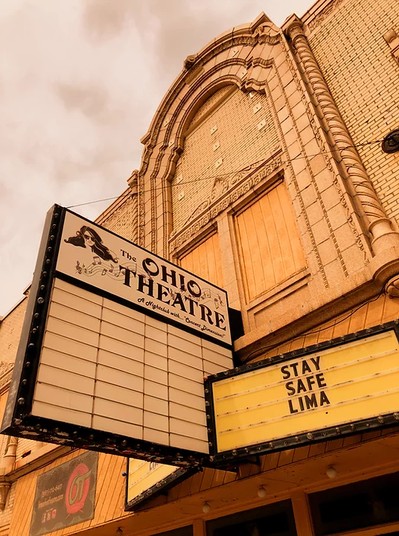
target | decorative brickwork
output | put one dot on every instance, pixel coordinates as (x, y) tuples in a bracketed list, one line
[(238, 134), (377, 222), (235, 59), (354, 44), (121, 217)]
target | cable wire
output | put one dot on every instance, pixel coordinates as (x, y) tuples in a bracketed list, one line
[(336, 322), (230, 173)]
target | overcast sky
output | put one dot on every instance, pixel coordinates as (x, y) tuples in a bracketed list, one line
[(79, 83)]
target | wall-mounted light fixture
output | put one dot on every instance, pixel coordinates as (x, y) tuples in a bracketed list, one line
[(206, 507), (390, 144), (331, 472), (261, 492)]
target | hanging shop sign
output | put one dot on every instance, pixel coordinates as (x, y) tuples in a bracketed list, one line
[(145, 480), (344, 386), (65, 495), (115, 347)]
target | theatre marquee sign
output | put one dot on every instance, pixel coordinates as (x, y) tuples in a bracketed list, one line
[(341, 387), (115, 347), (96, 257)]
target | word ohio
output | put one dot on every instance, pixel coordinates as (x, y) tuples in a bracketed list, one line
[(172, 288)]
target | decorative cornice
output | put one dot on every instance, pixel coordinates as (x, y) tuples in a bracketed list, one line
[(257, 71), (190, 61), (392, 287), (267, 33), (324, 14), (133, 180)]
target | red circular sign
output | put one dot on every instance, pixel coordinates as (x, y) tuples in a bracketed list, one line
[(77, 488)]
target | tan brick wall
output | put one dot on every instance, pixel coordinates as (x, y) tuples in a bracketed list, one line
[(239, 132), (10, 331), (121, 216), (5, 515), (363, 77)]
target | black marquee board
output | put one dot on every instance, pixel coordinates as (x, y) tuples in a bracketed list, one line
[(194, 313), (321, 392)]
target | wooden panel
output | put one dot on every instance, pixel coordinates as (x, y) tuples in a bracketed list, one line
[(358, 381), (22, 511), (205, 261), (270, 247), (377, 311)]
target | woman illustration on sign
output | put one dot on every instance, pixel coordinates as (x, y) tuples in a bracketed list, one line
[(88, 237)]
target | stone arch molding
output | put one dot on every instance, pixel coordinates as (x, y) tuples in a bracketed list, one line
[(241, 57), (236, 57)]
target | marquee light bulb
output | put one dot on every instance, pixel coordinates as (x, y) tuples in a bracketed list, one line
[(206, 507), (261, 492), (331, 472)]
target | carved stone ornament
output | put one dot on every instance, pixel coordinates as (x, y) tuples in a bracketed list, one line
[(374, 215), (267, 33), (4, 489), (133, 179), (257, 71), (190, 61), (392, 287)]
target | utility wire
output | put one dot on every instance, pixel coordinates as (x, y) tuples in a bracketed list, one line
[(93, 202), (230, 173), (336, 322), (222, 175)]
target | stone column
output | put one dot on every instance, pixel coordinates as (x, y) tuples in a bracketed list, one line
[(377, 223), (133, 184), (6, 466)]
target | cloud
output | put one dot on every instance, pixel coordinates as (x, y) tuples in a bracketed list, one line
[(79, 84), (92, 101), (105, 19)]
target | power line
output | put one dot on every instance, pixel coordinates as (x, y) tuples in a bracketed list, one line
[(230, 173), (247, 167), (93, 202), (265, 349)]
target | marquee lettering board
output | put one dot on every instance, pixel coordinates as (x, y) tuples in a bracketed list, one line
[(146, 480), (343, 386), (115, 346)]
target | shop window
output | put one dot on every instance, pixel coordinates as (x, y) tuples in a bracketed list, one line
[(356, 506), (268, 239), (205, 261), (271, 520)]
